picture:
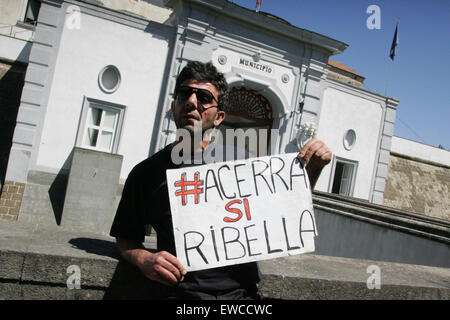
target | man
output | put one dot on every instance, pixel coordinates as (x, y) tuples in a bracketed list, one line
[(201, 93)]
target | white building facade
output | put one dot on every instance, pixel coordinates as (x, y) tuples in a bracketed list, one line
[(102, 80)]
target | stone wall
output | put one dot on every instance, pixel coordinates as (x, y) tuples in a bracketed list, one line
[(341, 76), (154, 10), (418, 186), (42, 263), (32, 276), (11, 200)]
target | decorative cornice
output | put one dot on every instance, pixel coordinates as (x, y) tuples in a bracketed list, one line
[(267, 23)]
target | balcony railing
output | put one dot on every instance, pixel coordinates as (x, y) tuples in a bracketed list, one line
[(20, 30)]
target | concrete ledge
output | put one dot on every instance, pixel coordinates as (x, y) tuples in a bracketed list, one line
[(39, 276), (44, 277), (35, 261), (323, 277), (395, 219)]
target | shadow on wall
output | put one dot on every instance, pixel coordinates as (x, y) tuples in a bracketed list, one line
[(160, 107), (96, 246), (12, 78), (57, 190), (127, 281)]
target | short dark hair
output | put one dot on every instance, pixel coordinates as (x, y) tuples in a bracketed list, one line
[(205, 72)]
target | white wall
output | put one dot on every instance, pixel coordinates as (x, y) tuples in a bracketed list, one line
[(83, 52), (12, 11), (14, 49), (343, 110), (419, 150)]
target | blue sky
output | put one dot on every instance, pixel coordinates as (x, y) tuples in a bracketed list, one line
[(420, 75)]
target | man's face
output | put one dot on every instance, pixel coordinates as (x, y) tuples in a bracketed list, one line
[(190, 109)]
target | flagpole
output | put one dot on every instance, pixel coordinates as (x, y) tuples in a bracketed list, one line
[(393, 47), (388, 78), (258, 4)]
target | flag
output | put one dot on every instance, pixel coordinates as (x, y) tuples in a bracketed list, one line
[(394, 44), (258, 4)]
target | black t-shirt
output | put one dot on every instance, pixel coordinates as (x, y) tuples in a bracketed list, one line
[(145, 200)]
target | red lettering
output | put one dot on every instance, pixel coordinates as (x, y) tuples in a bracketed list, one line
[(237, 211), (233, 210), (247, 209)]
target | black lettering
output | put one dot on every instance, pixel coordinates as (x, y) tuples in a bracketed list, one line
[(238, 181), (266, 234), (220, 182), (250, 240), (213, 236), (277, 173), (286, 237), (301, 230), (291, 175), (212, 186), (231, 241), (197, 247), (304, 177), (260, 174)]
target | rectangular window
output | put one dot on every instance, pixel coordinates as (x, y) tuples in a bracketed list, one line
[(344, 177), (32, 11), (100, 126)]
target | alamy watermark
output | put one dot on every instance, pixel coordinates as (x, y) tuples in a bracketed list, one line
[(374, 20), (374, 280), (73, 19), (234, 144), (74, 280)]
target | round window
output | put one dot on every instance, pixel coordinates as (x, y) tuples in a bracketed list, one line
[(349, 139), (109, 79)]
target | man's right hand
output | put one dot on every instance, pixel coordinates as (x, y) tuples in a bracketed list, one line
[(160, 266)]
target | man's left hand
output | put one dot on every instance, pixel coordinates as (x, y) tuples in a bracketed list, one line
[(315, 155), (316, 152)]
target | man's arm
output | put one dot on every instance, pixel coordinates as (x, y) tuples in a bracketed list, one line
[(315, 155), (160, 266)]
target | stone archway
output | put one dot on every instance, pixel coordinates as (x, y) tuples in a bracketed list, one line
[(249, 110), (249, 104)]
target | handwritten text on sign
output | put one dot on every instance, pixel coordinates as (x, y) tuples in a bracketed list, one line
[(241, 211)]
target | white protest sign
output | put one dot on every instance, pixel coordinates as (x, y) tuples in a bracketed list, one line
[(240, 211)]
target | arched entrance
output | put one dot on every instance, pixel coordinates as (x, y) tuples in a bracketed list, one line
[(248, 110)]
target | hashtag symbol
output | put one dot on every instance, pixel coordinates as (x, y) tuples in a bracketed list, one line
[(183, 184)]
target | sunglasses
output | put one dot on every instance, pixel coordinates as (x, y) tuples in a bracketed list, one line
[(203, 96)]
